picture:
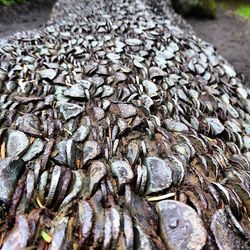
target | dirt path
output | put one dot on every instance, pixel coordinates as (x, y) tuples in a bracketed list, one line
[(23, 17), (231, 35)]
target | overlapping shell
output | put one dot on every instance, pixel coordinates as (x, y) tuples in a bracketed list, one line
[(118, 130)]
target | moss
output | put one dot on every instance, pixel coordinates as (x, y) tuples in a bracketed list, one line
[(244, 11), (10, 2), (208, 7), (195, 7)]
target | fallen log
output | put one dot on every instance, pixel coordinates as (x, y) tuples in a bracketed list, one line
[(131, 131)]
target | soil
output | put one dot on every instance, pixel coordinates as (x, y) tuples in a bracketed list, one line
[(22, 17), (230, 34)]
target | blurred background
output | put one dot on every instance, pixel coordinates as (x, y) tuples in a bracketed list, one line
[(21, 15), (224, 23)]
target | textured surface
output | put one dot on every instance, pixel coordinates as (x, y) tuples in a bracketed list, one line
[(114, 90)]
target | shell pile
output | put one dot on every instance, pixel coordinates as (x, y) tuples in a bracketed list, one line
[(120, 129)]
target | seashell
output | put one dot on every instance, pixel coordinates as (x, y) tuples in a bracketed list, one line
[(122, 125), (165, 55), (11, 86), (102, 70), (60, 154), (107, 91), (147, 218), (62, 185), (124, 93), (42, 185), (26, 87), (182, 149), (229, 70), (246, 141)]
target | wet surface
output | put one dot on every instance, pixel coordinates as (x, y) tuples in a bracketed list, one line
[(22, 17), (230, 34)]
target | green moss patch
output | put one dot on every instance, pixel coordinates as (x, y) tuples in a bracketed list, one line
[(9, 2), (195, 7), (244, 11)]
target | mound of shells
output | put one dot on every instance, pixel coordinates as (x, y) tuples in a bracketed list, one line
[(120, 129)]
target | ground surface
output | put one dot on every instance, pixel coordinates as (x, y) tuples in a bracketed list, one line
[(230, 34), (23, 17)]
